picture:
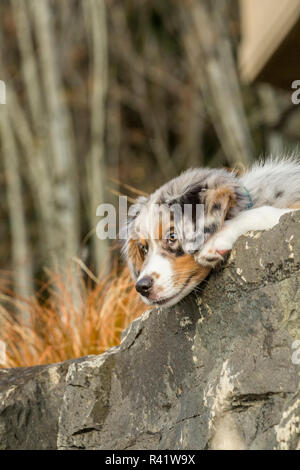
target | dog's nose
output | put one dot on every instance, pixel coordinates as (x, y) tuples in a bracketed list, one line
[(144, 285)]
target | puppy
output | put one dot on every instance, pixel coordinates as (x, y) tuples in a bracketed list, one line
[(168, 250)]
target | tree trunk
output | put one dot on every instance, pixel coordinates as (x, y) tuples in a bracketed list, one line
[(21, 257), (95, 14), (64, 174), (213, 62)]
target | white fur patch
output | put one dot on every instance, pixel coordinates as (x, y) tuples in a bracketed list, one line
[(162, 266)]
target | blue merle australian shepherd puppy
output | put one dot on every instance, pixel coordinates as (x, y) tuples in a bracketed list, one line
[(169, 256)]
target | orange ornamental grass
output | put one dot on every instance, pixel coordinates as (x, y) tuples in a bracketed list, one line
[(65, 326)]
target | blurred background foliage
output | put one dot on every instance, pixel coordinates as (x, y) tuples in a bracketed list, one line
[(108, 97)]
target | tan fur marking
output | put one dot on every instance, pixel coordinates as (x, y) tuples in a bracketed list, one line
[(224, 196), (162, 229), (142, 241), (184, 267), (295, 206), (135, 255)]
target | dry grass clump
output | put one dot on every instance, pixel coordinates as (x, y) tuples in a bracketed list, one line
[(65, 326)]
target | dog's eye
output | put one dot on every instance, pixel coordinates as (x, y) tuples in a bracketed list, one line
[(143, 248), (172, 238)]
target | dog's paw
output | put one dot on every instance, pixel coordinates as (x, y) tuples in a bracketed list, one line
[(214, 250)]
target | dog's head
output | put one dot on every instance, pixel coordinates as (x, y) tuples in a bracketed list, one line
[(166, 230)]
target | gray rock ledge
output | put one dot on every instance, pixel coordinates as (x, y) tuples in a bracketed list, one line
[(214, 372)]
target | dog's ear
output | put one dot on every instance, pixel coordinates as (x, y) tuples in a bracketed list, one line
[(188, 209), (136, 208), (211, 205), (217, 203), (128, 236)]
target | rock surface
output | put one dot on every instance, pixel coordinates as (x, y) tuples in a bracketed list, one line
[(217, 371)]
